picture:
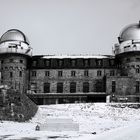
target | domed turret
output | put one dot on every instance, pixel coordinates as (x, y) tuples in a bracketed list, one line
[(14, 35), (15, 41), (15, 51), (129, 39), (127, 51), (131, 32)]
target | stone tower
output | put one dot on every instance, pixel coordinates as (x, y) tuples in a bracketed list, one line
[(127, 52), (15, 51), (125, 85)]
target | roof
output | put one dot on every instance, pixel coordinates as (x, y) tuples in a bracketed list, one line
[(76, 56), (130, 32), (14, 35)]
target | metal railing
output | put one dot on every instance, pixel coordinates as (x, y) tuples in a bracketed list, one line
[(16, 50)]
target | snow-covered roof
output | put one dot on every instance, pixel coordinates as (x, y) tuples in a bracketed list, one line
[(77, 56)]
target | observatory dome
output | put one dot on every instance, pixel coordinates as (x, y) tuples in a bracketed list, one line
[(131, 32), (14, 35)]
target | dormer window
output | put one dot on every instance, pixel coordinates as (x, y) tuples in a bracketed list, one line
[(73, 63)]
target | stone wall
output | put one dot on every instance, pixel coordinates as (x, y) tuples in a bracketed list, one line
[(96, 83), (125, 88), (16, 106), (14, 71)]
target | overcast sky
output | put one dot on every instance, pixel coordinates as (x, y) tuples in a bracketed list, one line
[(69, 26)]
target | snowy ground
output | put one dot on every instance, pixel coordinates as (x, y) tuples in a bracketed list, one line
[(108, 122)]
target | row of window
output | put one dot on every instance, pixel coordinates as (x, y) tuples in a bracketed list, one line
[(130, 66), (60, 87), (11, 74), (60, 73), (71, 62), (12, 68), (13, 60), (73, 73), (134, 59)]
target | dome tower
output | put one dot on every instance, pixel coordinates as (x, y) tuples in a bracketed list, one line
[(15, 51), (127, 51)]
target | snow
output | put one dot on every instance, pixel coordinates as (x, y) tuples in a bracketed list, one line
[(75, 56), (109, 123), (130, 132)]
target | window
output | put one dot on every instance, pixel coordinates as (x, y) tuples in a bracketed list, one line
[(59, 87), (73, 63), (60, 73), (137, 70), (137, 59), (20, 74), (112, 62), (11, 67), (73, 73), (34, 63), (72, 87), (127, 59), (11, 60), (99, 62), (113, 86), (137, 86), (60, 63), (47, 73), (86, 73), (132, 66), (99, 73), (112, 73), (46, 87), (47, 63), (86, 63), (99, 85), (2, 61), (33, 73), (126, 48), (1, 79), (85, 87), (34, 87), (11, 74), (21, 61)]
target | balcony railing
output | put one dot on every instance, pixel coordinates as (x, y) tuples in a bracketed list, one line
[(16, 50)]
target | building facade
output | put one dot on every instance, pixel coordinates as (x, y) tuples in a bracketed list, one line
[(50, 79)]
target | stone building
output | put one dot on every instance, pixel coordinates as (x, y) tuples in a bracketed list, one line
[(125, 86), (48, 79)]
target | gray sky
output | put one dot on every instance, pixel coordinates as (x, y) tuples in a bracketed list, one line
[(69, 26)]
